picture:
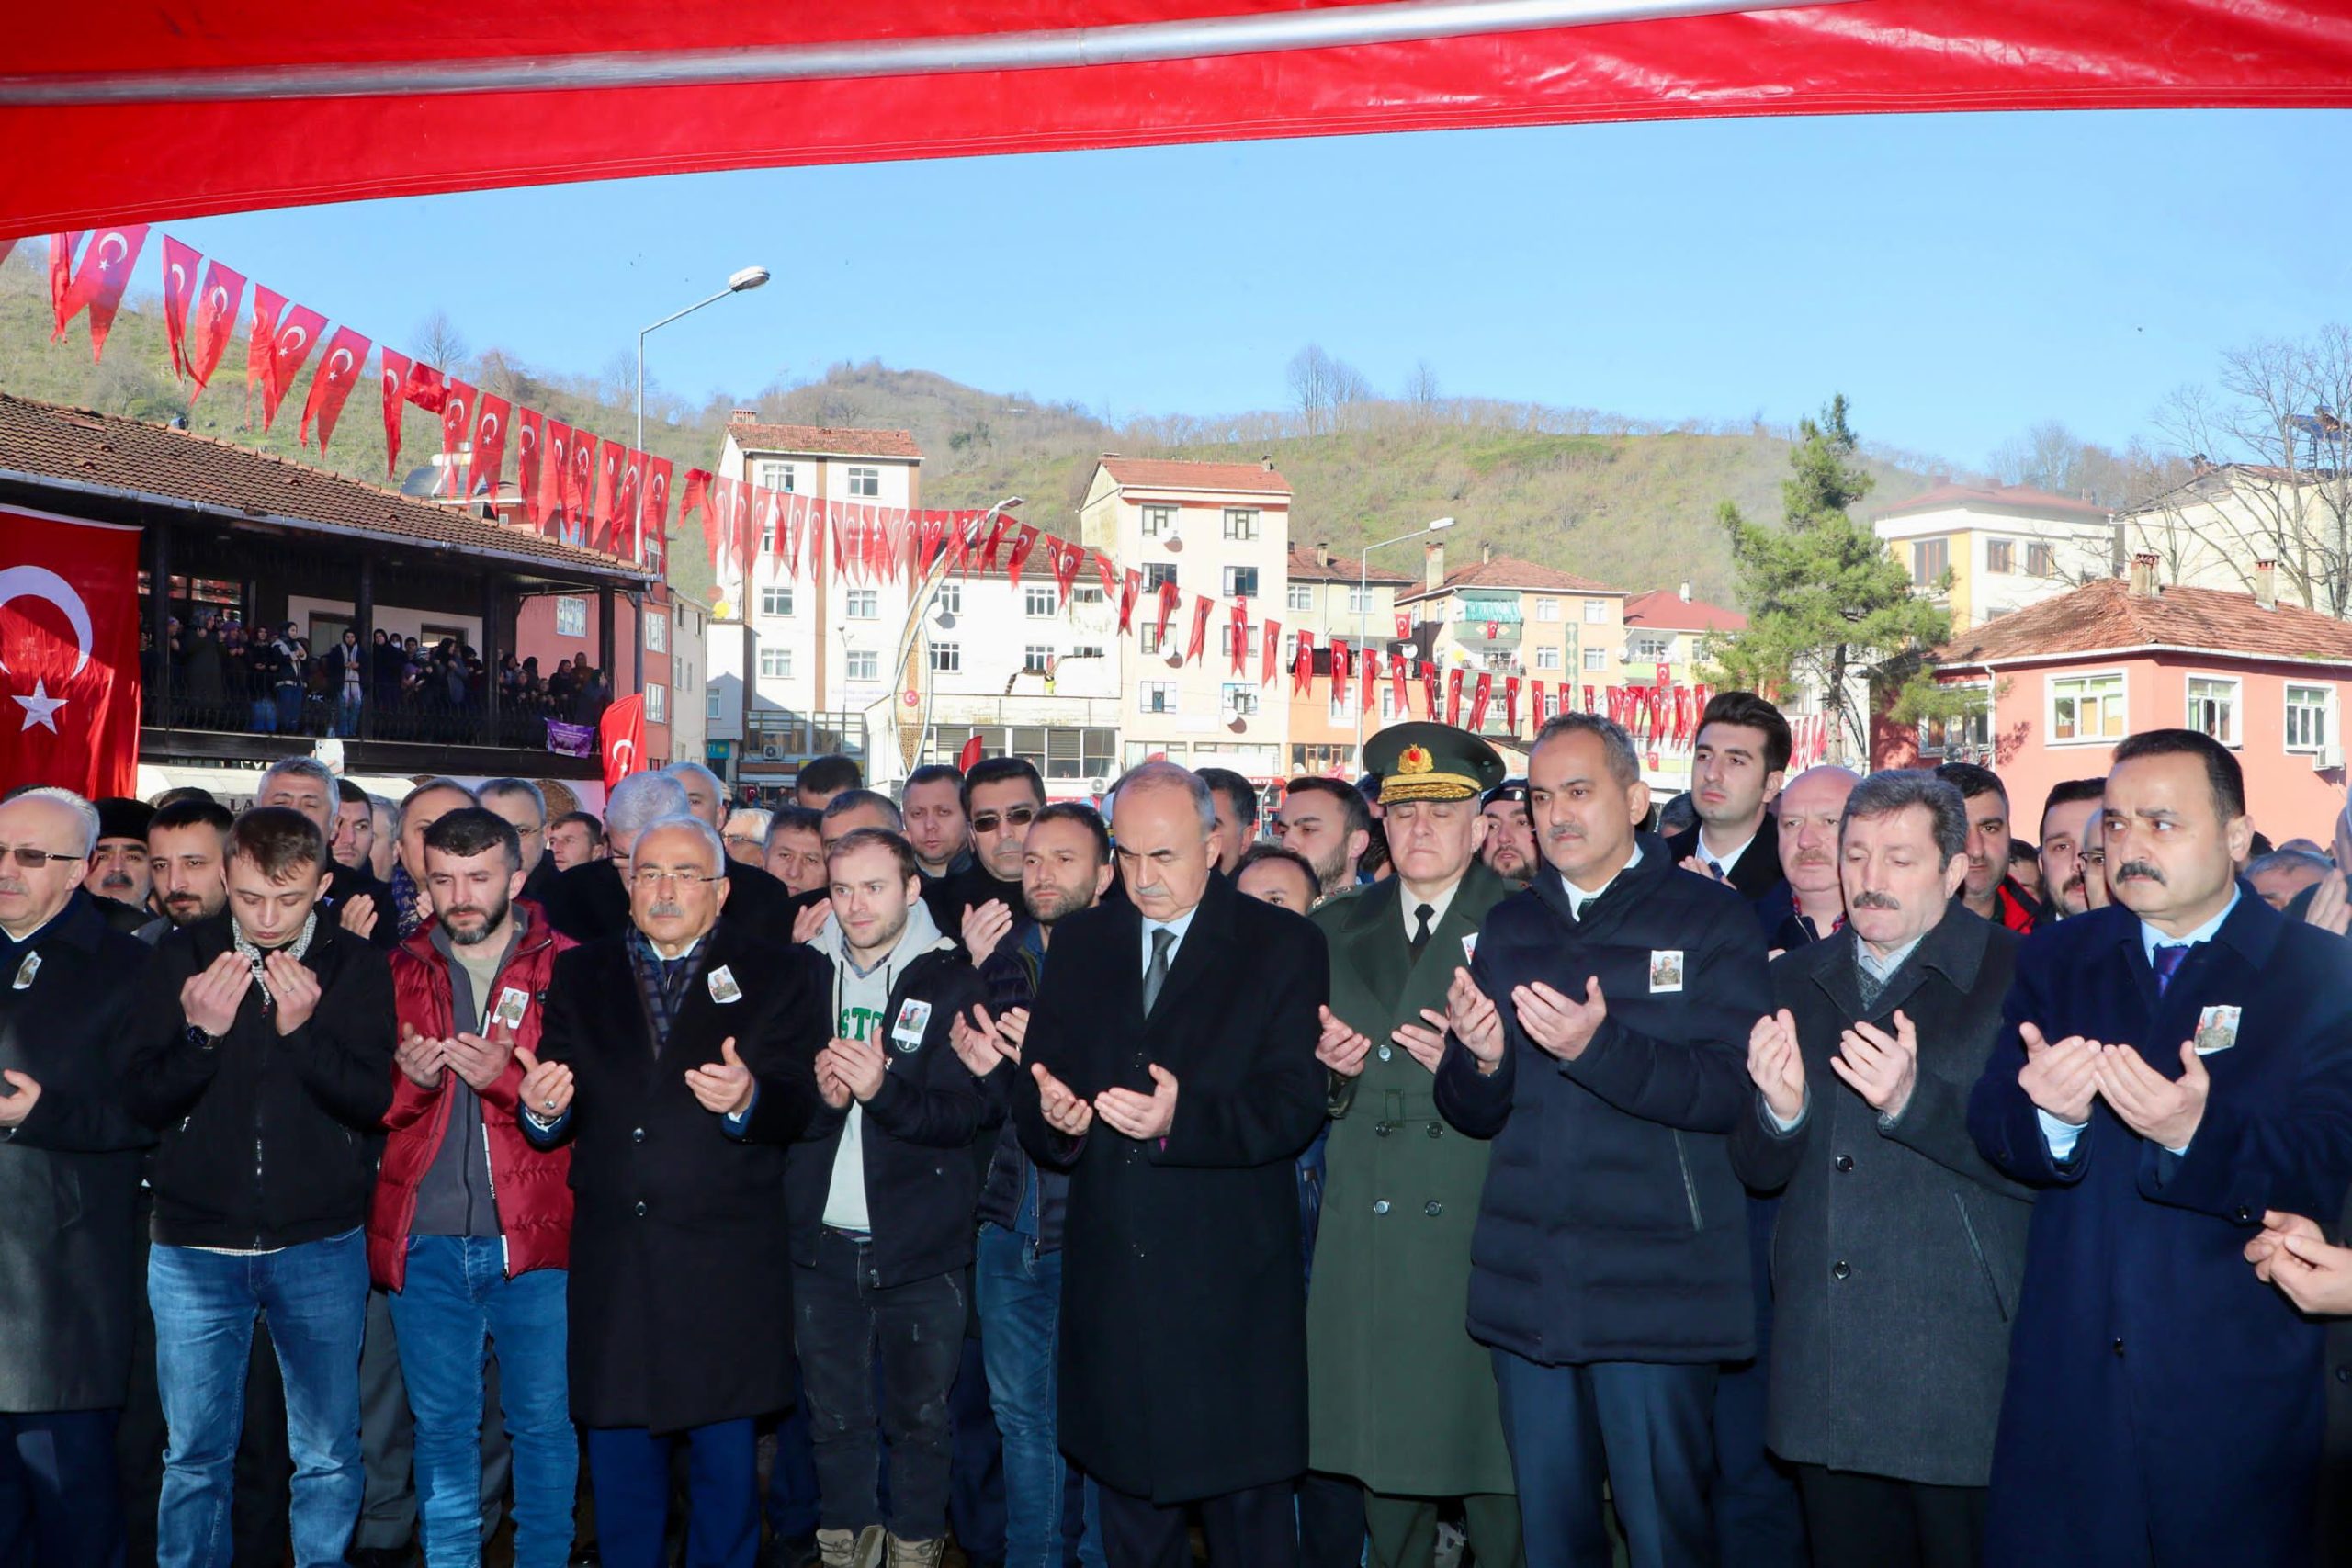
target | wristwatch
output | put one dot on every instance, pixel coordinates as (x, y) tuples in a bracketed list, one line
[(196, 1035)]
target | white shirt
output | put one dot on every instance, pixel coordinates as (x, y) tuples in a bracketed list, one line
[(1580, 897), (1438, 905), (1723, 862)]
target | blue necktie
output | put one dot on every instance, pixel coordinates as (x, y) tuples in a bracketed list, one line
[(2167, 958)]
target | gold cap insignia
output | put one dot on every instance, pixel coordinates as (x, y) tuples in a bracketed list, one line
[(1416, 760)]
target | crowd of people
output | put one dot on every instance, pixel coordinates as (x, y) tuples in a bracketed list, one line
[(268, 679), (1449, 1165)]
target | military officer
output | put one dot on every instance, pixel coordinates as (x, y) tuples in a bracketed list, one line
[(1400, 1397)]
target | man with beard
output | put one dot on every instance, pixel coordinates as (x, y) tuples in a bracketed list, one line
[(2066, 825), (933, 804), (1236, 815), (1737, 765), (1990, 892), (881, 1209), (118, 874), (469, 1231), (2156, 1160), (187, 864), (1001, 796), (1327, 821), (1510, 847), (1066, 867), (1808, 903), (354, 843)]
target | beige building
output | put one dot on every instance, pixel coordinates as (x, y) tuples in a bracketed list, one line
[(2214, 529), (1337, 596), (1506, 616), (1983, 551)]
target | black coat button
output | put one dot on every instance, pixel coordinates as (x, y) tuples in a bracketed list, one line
[(2118, 1346), (2343, 1374), (1839, 1270), (2244, 1216), (1844, 1162), (1436, 1130), (1433, 1208), (641, 1210), (637, 1135)]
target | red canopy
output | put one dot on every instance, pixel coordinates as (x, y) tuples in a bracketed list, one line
[(161, 109)]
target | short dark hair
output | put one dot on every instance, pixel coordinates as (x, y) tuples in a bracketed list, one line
[(1078, 811), (183, 792), (2073, 792), (1258, 854), (796, 819), (1623, 763), (2023, 848), (1974, 780), (823, 775), (349, 794), (279, 840), (1751, 712), (859, 839), (1359, 814), (850, 800), (585, 819), (1239, 794), (996, 769), (189, 812), (1891, 790), (934, 773), (2222, 769), (473, 830)]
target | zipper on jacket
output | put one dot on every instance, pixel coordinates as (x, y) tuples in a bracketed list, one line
[(1689, 1185), (1968, 1228)]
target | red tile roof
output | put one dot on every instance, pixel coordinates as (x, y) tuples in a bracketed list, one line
[(123, 456), (1999, 498), (1305, 568), (1665, 609), (1507, 571), (829, 440), (2105, 615), (1173, 473)]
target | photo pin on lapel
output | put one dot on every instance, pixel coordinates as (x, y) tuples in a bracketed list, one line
[(723, 989)]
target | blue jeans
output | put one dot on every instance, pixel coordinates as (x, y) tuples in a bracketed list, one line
[(628, 1468), (289, 710), (54, 1469), (315, 1296), (348, 712), (264, 716), (457, 1295), (1019, 1293)]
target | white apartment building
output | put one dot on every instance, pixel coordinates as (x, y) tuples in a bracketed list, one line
[(1215, 529), (1985, 550)]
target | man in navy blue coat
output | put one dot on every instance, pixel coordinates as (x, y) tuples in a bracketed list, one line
[(2186, 1064), (1603, 1050)]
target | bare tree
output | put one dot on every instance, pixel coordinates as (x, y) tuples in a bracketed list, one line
[(1420, 389), (439, 344), (1312, 375)]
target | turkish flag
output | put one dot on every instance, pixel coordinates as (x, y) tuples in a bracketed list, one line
[(1238, 637), (580, 485), (1341, 668), (608, 486), (1302, 664), (392, 374), (1168, 597), (61, 278), (181, 266), (331, 383), (1269, 634), (426, 387), (1478, 699), (1066, 559), (1130, 586), (1197, 644), (1024, 541), (1367, 678), (456, 429), (620, 737), (1404, 627), (69, 654), (658, 472), (99, 281), (488, 456), (1429, 689), (216, 310), (970, 756), (268, 305), (696, 499), (530, 439), (1453, 695), (555, 477), (629, 499), (290, 341)]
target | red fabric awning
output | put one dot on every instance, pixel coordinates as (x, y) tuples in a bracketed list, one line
[(78, 161)]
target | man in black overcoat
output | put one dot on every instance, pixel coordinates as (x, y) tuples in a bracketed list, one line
[(1172, 1071)]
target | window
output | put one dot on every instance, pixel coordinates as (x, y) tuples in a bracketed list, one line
[(1225, 639), (1147, 636), (775, 664), (865, 481), (1159, 696), (571, 617), (777, 476), (1241, 583), (1238, 698), (1156, 572), (1596, 611), (1930, 559), (1343, 702), (1596, 660), (714, 705), (1036, 659), (1086, 593), (767, 532), (1301, 597), (1359, 599), (1085, 650), (862, 604), (1158, 521), (865, 665), (2001, 556), (1387, 701), (2086, 707), (1547, 658), (1653, 649), (946, 658), (2040, 560), (1240, 522), (657, 704), (776, 599), (951, 598), (1547, 609), (1038, 603), (2307, 717), (1958, 735), (2213, 708), (657, 631)]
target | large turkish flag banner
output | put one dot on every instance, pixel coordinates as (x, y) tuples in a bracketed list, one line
[(69, 653), (620, 736)]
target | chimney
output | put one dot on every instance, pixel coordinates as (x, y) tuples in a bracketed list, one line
[(1432, 566), (1486, 554), (1322, 552), (1686, 591), (2266, 584), (1268, 461), (743, 416), (2143, 575)]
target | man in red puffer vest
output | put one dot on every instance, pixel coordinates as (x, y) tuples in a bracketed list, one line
[(470, 1229)]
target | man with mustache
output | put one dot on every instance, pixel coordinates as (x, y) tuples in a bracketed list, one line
[(1810, 902), (1510, 848), (2066, 825), (2229, 1095), (348, 893), (1990, 891), (1327, 821), (187, 864), (119, 873), (1898, 1248), (1737, 765)]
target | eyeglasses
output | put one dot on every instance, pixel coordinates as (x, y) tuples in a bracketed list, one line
[(744, 841), (653, 876), (1018, 817), (32, 859)]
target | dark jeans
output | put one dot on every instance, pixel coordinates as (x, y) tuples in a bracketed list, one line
[(1758, 1521), (1019, 1293), (974, 1458), (629, 1470), (1256, 1529), (1876, 1521), (840, 1322), (791, 1501), (55, 1468), (1642, 1428)]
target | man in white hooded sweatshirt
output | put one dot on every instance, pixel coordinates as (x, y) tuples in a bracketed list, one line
[(881, 1194)]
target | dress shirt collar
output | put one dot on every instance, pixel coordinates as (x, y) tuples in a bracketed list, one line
[(2152, 939), (1579, 897)]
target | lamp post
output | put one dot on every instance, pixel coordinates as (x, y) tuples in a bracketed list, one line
[(1363, 600), (743, 282)]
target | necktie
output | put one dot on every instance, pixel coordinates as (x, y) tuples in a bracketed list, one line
[(1162, 941), (2167, 957), (1579, 906), (1422, 936)]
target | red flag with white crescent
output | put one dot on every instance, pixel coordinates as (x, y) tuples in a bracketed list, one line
[(606, 517), (457, 428), (1237, 637), (1130, 590), (1024, 539), (930, 541), (426, 387), (1065, 558), (69, 654), (1269, 635), (268, 305), (1453, 695), (99, 281), (488, 460), (1479, 696), (530, 438), (61, 278), (555, 470), (1301, 665), (1428, 690), (1396, 685), (695, 498), (182, 267), (743, 505), (1168, 597), (629, 503), (1342, 666), (1510, 703), (580, 485), (657, 471), (391, 374), (1198, 643), (1367, 678), (1108, 570), (620, 738), (215, 319), (331, 384), (297, 332)]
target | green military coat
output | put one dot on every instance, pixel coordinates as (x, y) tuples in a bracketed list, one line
[(1399, 1395)]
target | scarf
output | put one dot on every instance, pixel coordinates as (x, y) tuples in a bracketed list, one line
[(299, 947), (661, 983)]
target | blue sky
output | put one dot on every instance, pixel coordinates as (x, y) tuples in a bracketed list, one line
[(1959, 278)]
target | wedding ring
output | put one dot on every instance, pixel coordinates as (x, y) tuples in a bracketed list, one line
[(548, 1103)]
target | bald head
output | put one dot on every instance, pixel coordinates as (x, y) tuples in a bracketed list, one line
[(1808, 811)]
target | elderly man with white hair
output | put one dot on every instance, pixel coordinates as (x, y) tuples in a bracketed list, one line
[(68, 1180), (590, 901)]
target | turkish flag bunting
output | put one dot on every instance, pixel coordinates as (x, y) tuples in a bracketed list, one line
[(392, 375), (747, 531), (1588, 699), (331, 384), (1396, 685), (620, 736), (1198, 643), (426, 387), (834, 524), (1367, 678), (1341, 667), (1301, 665), (609, 455), (1453, 695), (1404, 624), (456, 426), (488, 460), (268, 305), (1510, 703), (99, 281), (69, 654), (996, 530), (216, 314), (656, 515), (696, 499), (580, 484), (1269, 634), (1478, 698), (1536, 698), (530, 439), (297, 332), (1238, 635), (1130, 589), (1168, 597), (555, 476), (1067, 559), (1024, 539), (632, 501), (1428, 690), (181, 266), (61, 278), (931, 537)]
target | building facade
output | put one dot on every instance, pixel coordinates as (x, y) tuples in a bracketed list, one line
[(1330, 596), (1984, 551)]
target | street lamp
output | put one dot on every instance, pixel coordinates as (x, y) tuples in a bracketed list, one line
[(1363, 600), (740, 282)]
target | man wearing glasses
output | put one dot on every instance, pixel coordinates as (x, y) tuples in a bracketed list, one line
[(1002, 795)]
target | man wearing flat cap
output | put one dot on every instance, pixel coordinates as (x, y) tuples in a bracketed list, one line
[(1400, 1397), (118, 877)]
